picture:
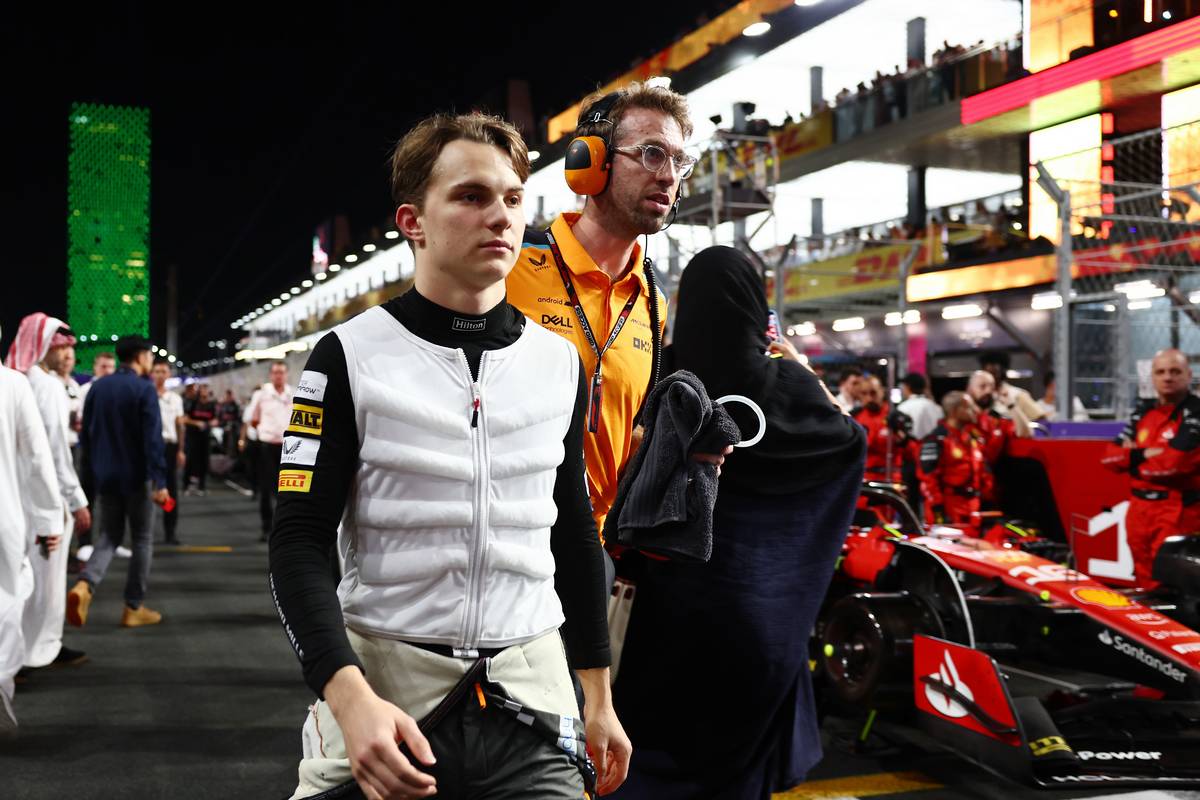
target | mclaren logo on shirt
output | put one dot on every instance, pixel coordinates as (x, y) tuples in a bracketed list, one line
[(299, 450), (295, 480), (306, 419)]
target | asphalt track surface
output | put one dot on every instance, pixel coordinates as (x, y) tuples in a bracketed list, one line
[(209, 704)]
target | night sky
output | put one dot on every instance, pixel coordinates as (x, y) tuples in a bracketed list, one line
[(265, 123)]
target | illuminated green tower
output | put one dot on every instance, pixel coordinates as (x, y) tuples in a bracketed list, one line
[(108, 226)]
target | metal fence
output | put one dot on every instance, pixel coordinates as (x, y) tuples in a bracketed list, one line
[(1128, 264)]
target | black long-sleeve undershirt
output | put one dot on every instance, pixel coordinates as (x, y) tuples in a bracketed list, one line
[(305, 525)]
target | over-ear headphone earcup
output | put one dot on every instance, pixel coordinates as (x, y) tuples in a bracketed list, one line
[(586, 165)]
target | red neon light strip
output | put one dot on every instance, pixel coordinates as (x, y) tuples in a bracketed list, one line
[(1109, 62)]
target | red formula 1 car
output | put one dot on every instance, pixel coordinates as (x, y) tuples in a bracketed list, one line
[(1022, 664), (1083, 506)]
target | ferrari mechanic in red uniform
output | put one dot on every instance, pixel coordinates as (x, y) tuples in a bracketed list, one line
[(884, 426), (1160, 449), (991, 429), (954, 474)]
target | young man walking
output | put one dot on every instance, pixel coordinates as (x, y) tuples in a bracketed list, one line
[(123, 431), (437, 439)]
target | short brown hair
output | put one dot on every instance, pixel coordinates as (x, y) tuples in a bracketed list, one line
[(415, 154), (636, 95)]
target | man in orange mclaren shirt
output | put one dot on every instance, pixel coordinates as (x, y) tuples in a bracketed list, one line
[(594, 259)]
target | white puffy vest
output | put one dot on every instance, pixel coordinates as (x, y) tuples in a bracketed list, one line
[(446, 535)]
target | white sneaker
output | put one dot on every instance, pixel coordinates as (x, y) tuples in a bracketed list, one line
[(123, 552), (84, 552)]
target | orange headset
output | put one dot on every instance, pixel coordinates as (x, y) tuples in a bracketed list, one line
[(589, 158), (588, 163)]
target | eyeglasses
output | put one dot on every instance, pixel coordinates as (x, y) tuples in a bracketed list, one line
[(654, 158)]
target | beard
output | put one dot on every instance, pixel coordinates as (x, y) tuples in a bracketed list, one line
[(985, 402), (873, 407), (638, 220), (645, 222)]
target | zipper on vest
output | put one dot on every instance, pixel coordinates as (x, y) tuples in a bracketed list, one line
[(472, 619)]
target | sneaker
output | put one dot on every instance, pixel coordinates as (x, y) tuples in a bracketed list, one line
[(136, 617), (69, 658), (78, 600), (84, 552), (123, 552)]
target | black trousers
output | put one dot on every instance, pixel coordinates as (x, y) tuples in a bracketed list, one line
[(198, 446), (485, 753), (171, 518), (252, 465), (268, 481)]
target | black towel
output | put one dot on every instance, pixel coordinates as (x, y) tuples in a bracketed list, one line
[(665, 501)]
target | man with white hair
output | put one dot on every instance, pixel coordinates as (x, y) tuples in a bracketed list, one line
[(41, 344), (30, 519)]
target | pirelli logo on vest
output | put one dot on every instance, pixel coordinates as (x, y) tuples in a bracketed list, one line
[(295, 480), (306, 419)]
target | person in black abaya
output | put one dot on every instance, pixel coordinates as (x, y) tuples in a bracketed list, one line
[(714, 687)]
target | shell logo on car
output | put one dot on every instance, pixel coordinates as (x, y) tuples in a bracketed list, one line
[(1105, 598)]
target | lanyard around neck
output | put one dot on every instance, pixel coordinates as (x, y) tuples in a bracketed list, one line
[(577, 304)]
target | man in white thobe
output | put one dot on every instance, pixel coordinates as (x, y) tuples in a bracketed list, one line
[(42, 343), (30, 513)]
